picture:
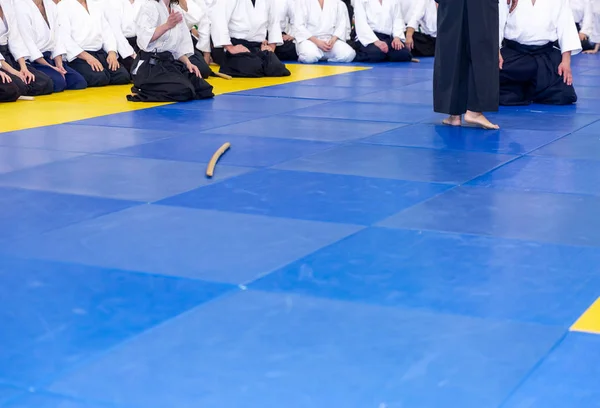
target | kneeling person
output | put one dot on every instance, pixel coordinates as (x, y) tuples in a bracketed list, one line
[(9, 91), (532, 68), (241, 27), (320, 27), (90, 44), (162, 71), (380, 31)]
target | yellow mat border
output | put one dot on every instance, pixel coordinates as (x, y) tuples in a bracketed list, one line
[(72, 106)]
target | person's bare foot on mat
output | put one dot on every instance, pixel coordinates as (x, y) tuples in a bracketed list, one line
[(453, 120), (478, 119)]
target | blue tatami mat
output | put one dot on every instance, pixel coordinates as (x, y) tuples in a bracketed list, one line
[(349, 252)]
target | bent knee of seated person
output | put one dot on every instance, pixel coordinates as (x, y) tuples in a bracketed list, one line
[(308, 52), (341, 52)]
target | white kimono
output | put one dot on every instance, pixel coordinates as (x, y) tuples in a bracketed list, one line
[(120, 15), (177, 41), (424, 17), (407, 7), (578, 9), (545, 22), (39, 36), (371, 16), (82, 31), (591, 21), (9, 31), (197, 16), (330, 21), (240, 19), (285, 15)]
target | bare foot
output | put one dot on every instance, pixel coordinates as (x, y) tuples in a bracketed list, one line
[(477, 119), (453, 120)]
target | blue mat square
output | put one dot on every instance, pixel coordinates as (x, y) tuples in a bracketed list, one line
[(8, 392), (486, 277), (272, 348), (542, 121), (297, 90), (13, 159), (463, 138), (209, 245), (244, 151), (243, 103), (579, 145), (125, 178), (441, 166), (544, 217), (320, 129), (173, 119), (310, 196), (568, 377), (400, 96), (550, 174), (57, 315), (81, 138), (46, 400), (369, 112), (25, 212)]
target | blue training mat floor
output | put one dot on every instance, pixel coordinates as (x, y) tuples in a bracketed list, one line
[(349, 253)]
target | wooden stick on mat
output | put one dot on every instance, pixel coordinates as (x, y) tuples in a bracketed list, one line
[(215, 158)]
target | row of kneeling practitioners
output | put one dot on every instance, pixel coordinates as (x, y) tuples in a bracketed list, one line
[(165, 47)]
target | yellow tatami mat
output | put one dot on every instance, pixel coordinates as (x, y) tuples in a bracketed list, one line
[(78, 105)]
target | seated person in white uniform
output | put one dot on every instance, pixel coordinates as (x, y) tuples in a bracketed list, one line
[(163, 71), (9, 92), (195, 16), (535, 62), (121, 14), (91, 47), (30, 81), (421, 29), (38, 23), (241, 27), (320, 27), (286, 51), (380, 31), (590, 27)]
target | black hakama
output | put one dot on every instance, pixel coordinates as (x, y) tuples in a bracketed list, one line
[(466, 68), (162, 78), (372, 53), (106, 77), (253, 64), (287, 51), (41, 85), (530, 75), (424, 45), (198, 60), (128, 62), (9, 92)]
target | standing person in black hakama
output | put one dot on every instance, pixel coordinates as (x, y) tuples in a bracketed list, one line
[(466, 70)]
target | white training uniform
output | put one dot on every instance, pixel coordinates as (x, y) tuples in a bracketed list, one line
[(9, 32), (198, 15), (578, 8), (591, 21), (83, 31), (407, 7), (424, 17), (285, 15), (121, 14), (371, 16), (545, 22), (177, 40), (239, 19), (312, 21), (39, 37)]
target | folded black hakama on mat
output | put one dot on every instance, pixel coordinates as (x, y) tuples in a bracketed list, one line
[(253, 64), (530, 75), (372, 53), (158, 77)]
